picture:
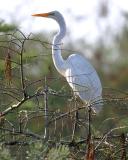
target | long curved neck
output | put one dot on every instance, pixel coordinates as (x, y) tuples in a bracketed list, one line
[(58, 60)]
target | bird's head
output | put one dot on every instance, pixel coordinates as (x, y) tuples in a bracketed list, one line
[(54, 15), (57, 16)]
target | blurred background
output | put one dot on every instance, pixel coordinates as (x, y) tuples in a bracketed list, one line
[(97, 29)]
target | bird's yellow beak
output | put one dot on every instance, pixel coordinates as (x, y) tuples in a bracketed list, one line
[(41, 15)]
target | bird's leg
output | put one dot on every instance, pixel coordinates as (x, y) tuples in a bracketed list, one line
[(75, 119), (89, 121)]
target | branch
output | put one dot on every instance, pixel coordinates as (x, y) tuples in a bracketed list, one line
[(22, 71), (66, 114), (15, 106), (108, 133), (6, 47), (28, 133)]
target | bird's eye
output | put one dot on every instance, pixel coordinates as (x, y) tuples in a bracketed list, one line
[(51, 13)]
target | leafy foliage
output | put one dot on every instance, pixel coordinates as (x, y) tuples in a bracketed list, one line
[(6, 27), (59, 153), (40, 151), (5, 153)]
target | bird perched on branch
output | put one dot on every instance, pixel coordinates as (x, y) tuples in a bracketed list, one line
[(79, 73)]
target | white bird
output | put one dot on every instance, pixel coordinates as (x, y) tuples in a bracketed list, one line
[(79, 73)]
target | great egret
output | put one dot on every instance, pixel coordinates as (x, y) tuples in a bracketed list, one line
[(79, 73)]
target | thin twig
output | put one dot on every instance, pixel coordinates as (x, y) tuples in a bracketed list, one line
[(22, 71), (46, 133), (28, 133)]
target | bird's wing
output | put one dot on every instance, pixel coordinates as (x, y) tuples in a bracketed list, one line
[(83, 78), (81, 63)]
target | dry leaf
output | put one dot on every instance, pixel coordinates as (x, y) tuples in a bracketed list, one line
[(90, 151), (8, 69)]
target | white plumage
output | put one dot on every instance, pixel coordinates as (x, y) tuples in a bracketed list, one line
[(79, 73), (83, 78)]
